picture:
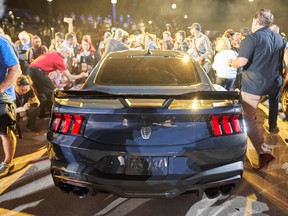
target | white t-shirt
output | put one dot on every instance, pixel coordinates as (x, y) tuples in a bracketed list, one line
[(220, 64)]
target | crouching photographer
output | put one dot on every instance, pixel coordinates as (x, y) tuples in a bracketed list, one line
[(27, 102)]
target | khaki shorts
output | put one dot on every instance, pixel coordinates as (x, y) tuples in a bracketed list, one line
[(252, 100)]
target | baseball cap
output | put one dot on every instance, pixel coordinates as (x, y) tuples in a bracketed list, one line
[(197, 26)]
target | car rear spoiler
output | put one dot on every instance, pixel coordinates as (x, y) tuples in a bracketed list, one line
[(199, 95)]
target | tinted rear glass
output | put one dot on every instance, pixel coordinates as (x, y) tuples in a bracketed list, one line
[(147, 71)]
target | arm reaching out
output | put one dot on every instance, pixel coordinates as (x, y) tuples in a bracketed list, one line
[(71, 77)]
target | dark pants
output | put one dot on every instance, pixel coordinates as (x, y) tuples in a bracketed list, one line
[(253, 131), (250, 104), (24, 66), (44, 87), (274, 97), (32, 114)]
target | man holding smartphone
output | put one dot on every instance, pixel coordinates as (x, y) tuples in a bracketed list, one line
[(27, 102)]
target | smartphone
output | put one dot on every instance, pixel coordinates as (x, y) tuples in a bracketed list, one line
[(84, 67), (33, 104)]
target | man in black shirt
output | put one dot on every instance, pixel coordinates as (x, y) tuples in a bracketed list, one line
[(259, 55)]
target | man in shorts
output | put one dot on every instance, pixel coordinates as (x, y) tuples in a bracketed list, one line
[(9, 71)]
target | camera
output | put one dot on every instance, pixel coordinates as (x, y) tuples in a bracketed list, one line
[(33, 104)]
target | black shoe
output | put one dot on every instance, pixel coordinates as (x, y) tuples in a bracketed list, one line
[(274, 130), (264, 160), (269, 130)]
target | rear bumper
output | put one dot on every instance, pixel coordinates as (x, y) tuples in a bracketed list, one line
[(196, 167), (185, 173), (230, 174)]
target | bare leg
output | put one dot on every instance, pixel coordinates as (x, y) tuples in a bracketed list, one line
[(9, 146)]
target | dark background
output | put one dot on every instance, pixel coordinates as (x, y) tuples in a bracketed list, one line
[(212, 14)]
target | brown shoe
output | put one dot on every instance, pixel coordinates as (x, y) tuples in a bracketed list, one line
[(264, 159)]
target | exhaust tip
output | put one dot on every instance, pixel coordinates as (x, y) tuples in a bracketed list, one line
[(80, 192), (226, 189), (65, 188), (212, 193)]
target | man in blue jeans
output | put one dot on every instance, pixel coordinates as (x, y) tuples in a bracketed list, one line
[(259, 55), (9, 71)]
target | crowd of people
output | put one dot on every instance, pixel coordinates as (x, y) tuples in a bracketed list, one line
[(66, 61)]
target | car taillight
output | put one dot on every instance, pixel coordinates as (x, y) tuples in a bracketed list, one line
[(216, 128), (66, 123), (56, 122), (225, 125), (78, 119), (236, 124)]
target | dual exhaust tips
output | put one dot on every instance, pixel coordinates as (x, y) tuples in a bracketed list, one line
[(80, 192), (212, 193)]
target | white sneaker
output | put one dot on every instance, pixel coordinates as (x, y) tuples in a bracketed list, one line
[(5, 168)]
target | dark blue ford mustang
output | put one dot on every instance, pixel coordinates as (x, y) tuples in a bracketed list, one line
[(147, 124)]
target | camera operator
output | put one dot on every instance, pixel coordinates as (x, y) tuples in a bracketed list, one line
[(27, 102)]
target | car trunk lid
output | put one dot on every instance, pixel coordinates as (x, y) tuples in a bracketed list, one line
[(147, 119)]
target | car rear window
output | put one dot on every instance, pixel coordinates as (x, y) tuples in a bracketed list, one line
[(147, 71)]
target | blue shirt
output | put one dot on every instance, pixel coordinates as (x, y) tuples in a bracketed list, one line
[(8, 58), (262, 49)]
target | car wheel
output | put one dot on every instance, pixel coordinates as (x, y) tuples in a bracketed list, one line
[(284, 101)]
